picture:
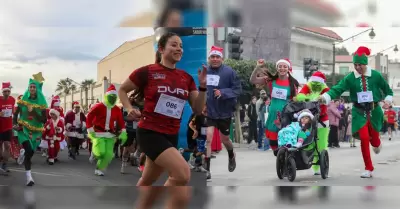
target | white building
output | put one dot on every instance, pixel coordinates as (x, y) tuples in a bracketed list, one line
[(394, 79)]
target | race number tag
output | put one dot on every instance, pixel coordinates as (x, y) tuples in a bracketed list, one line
[(134, 124), (365, 97), (212, 80), (279, 93), (170, 106), (203, 131), (7, 113)]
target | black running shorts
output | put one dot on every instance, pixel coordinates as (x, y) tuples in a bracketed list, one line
[(223, 125), (6, 136), (153, 143), (131, 138)]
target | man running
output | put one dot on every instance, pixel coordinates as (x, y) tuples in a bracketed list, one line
[(223, 88), (7, 103), (390, 116)]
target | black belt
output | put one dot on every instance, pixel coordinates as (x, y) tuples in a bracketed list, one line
[(366, 106)]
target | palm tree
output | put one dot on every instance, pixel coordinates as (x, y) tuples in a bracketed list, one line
[(86, 85), (65, 87)]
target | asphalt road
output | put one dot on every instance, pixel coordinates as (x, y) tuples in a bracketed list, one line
[(71, 184)]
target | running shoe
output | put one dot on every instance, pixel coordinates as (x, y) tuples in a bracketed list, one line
[(208, 175), (21, 157), (92, 158), (123, 166), (232, 163), (98, 172), (4, 168), (366, 174)]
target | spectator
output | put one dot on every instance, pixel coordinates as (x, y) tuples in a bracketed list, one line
[(334, 117), (252, 114), (261, 117)]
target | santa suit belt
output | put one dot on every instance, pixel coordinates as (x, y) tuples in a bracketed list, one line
[(366, 106), (105, 134), (53, 138)]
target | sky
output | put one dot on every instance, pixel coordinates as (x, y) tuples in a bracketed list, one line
[(61, 38)]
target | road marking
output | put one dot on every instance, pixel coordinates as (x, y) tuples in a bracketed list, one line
[(40, 173)]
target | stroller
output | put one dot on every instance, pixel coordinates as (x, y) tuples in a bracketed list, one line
[(288, 160)]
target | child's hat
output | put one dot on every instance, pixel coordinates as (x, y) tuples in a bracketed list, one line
[(303, 113)]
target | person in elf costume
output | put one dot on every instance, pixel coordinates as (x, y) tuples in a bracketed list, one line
[(102, 122), (311, 92), (367, 88), (54, 135), (29, 118)]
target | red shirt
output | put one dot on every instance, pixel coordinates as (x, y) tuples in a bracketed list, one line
[(166, 92), (7, 107), (391, 116)]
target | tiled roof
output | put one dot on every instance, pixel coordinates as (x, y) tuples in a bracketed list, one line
[(322, 31), (344, 58), (321, 5)]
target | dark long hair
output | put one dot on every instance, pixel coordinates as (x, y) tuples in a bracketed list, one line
[(293, 83), (162, 43)]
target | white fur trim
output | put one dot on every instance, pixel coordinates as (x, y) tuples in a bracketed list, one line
[(111, 92), (284, 62), (68, 125), (303, 114), (90, 130), (327, 98), (5, 89), (215, 52), (54, 111), (48, 127), (56, 104), (389, 99), (317, 79), (84, 124), (324, 122), (123, 130), (108, 119)]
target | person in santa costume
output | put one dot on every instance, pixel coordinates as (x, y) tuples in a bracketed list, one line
[(7, 103), (54, 135), (311, 92), (29, 119), (102, 122), (367, 88), (75, 124)]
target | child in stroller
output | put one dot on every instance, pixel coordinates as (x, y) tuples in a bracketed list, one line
[(295, 155)]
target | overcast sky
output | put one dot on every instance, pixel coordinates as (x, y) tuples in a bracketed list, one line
[(61, 38)]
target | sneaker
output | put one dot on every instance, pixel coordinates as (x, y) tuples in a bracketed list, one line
[(232, 163), (191, 162), (366, 174), (200, 169), (29, 180), (208, 175), (51, 161), (123, 166), (92, 158), (98, 172), (377, 150), (21, 157), (4, 168), (141, 168), (44, 154)]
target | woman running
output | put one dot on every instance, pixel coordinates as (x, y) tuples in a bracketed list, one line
[(166, 90), (283, 87)]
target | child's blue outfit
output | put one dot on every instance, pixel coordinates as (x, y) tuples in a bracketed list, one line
[(289, 135)]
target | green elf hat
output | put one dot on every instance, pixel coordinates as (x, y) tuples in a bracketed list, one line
[(361, 55)]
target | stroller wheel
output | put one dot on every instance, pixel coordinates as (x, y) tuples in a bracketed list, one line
[(291, 169), (280, 163), (324, 164)]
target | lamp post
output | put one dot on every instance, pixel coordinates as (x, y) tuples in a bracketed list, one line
[(371, 35)]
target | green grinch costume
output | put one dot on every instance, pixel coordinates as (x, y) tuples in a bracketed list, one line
[(367, 88), (30, 117), (311, 92)]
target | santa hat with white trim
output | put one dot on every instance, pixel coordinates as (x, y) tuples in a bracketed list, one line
[(54, 111), (216, 51), (318, 77), (285, 61), (111, 90), (55, 102), (76, 104), (304, 113), (6, 86)]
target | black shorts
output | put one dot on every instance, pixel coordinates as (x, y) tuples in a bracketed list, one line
[(391, 126), (6, 136), (223, 125), (131, 138), (153, 143)]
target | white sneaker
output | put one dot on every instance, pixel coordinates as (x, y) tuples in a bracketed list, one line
[(92, 158), (377, 150), (191, 162), (44, 154), (366, 174), (123, 166), (29, 180), (21, 157), (98, 172), (201, 169)]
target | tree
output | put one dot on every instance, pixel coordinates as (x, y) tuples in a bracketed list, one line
[(329, 78), (65, 87), (86, 85), (342, 51)]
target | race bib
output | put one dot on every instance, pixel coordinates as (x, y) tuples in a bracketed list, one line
[(212, 80), (134, 124), (170, 106), (203, 131), (279, 93), (365, 97), (7, 113)]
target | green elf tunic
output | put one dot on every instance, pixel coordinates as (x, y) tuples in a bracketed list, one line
[(31, 122), (375, 85)]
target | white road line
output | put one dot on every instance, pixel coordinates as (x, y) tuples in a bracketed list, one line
[(40, 173)]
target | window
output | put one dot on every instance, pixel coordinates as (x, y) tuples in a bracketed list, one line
[(343, 70)]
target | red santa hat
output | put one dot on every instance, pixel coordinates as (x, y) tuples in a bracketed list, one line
[(318, 77), (55, 102), (285, 61), (111, 90), (54, 111), (76, 104), (6, 86), (216, 51)]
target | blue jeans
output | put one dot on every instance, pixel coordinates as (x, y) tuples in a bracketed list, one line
[(261, 136)]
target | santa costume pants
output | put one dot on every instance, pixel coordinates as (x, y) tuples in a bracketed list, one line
[(368, 135), (103, 151), (53, 150), (322, 144)]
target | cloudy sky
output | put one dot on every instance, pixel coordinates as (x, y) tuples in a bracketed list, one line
[(61, 38)]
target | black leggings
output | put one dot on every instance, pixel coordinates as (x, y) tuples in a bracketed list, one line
[(333, 139), (28, 155)]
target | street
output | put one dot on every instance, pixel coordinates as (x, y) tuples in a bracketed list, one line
[(254, 184)]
